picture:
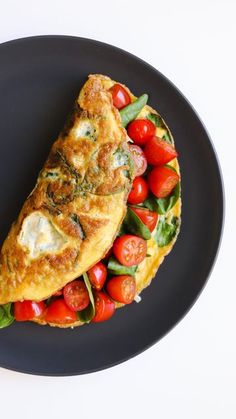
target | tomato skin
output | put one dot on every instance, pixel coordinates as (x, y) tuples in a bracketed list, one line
[(130, 250), (139, 191), (27, 310), (140, 130), (149, 218), (162, 180), (122, 288), (76, 295), (158, 152), (59, 312), (140, 161), (120, 96), (104, 307), (98, 275)]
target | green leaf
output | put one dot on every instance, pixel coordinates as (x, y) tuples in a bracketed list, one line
[(167, 138), (165, 232), (155, 119), (134, 225), (132, 110), (115, 268), (6, 317), (88, 313), (165, 204), (151, 203), (158, 122)]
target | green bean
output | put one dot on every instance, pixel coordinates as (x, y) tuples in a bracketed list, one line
[(132, 110)]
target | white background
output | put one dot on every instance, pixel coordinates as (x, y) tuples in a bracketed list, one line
[(191, 373)]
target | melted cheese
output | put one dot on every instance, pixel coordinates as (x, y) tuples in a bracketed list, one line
[(38, 235), (84, 129)]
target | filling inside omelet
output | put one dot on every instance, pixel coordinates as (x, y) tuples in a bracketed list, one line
[(146, 236)]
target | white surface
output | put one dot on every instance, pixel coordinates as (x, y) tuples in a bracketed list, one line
[(191, 373)]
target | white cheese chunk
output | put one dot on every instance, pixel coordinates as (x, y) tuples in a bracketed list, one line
[(39, 235)]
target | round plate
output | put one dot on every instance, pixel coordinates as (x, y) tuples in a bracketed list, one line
[(39, 80)]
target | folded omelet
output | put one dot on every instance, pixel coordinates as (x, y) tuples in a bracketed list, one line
[(72, 216)]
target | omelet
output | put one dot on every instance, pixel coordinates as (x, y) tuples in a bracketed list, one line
[(71, 218), (148, 268)]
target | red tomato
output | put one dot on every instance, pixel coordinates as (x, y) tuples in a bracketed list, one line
[(130, 250), (140, 161), (162, 180), (120, 96), (139, 191), (27, 310), (59, 312), (104, 307), (76, 295), (140, 130), (98, 275), (158, 152), (122, 288), (149, 218)]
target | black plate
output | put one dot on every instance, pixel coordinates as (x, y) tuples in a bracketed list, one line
[(39, 79)]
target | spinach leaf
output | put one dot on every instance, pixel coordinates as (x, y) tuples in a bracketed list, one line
[(158, 122), (165, 231), (165, 204), (6, 317), (88, 313), (115, 268), (134, 225), (155, 119)]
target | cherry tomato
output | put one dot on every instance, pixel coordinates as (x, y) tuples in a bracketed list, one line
[(158, 152), (120, 96), (76, 295), (104, 307), (162, 180), (59, 312), (140, 130), (27, 310), (98, 275), (140, 161), (122, 288), (139, 191), (130, 250), (149, 218)]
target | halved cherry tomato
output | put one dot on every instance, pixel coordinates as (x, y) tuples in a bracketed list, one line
[(76, 295), (140, 161), (104, 307), (149, 218), (122, 288), (139, 191), (162, 180), (59, 312), (27, 310), (158, 152), (98, 275), (130, 250), (140, 130), (120, 96)]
